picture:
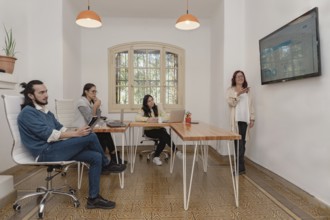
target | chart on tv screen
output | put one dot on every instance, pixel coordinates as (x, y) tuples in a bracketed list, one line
[(291, 52)]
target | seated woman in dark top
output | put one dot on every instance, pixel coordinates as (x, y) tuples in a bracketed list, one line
[(150, 113)]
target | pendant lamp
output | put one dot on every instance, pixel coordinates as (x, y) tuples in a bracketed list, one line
[(187, 21), (88, 19)]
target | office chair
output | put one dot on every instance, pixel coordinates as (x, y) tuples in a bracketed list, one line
[(150, 153), (22, 156), (64, 111)]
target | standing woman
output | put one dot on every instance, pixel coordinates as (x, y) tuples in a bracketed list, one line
[(150, 113), (87, 107), (242, 116)]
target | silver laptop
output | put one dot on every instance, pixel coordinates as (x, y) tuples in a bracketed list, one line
[(176, 116), (118, 123)]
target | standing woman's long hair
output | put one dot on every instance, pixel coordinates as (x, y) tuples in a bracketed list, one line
[(233, 82), (146, 109)]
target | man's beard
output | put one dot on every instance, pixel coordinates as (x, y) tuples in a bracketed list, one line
[(40, 103)]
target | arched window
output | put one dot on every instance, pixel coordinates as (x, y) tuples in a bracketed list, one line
[(140, 68)]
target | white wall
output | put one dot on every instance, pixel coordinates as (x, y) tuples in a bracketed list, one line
[(37, 28), (217, 110), (290, 136), (230, 27), (45, 46), (71, 53), (13, 22), (122, 30), (217, 73)]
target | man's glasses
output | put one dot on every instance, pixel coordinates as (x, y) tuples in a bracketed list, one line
[(94, 91)]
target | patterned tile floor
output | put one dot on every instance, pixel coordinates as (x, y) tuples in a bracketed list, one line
[(151, 192)]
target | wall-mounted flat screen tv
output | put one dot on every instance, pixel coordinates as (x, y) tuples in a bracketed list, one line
[(292, 51)]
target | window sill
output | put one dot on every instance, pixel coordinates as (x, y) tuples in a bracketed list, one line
[(7, 81)]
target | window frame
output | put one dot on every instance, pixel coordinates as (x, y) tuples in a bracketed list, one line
[(130, 47)]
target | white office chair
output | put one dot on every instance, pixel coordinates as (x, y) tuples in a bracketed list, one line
[(150, 153), (64, 111), (23, 157)]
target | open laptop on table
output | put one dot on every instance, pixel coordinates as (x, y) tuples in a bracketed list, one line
[(176, 116), (118, 123)]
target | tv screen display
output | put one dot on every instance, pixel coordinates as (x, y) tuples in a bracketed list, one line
[(292, 51)]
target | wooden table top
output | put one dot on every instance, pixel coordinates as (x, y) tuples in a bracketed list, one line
[(148, 124), (202, 131), (106, 129), (187, 132)]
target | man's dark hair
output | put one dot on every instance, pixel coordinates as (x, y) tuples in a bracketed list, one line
[(28, 89)]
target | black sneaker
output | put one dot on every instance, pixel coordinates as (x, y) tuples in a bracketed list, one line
[(100, 203), (113, 168), (114, 158)]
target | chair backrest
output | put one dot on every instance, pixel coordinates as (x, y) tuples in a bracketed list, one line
[(65, 111), (19, 153)]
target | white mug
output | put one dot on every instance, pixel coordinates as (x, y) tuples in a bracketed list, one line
[(160, 120)]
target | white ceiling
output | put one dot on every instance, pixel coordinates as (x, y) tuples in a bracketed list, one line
[(148, 8)]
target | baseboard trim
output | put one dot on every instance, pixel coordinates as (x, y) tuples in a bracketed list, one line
[(8, 198)]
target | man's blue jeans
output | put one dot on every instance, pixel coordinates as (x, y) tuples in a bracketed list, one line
[(86, 149)]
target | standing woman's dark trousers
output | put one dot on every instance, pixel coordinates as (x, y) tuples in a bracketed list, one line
[(164, 138), (242, 127), (106, 141)]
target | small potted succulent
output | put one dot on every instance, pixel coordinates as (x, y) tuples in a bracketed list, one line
[(7, 62), (188, 117)]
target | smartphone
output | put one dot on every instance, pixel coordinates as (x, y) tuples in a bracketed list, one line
[(92, 121)]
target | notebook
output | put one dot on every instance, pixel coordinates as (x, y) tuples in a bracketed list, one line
[(176, 116), (118, 123), (92, 122)]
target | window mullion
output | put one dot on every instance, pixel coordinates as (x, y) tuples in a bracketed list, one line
[(131, 78), (162, 78)]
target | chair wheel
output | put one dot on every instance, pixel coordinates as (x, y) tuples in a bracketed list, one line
[(63, 174), (40, 214), (76, 204), (16, 207), (166, 159), (72, 191)]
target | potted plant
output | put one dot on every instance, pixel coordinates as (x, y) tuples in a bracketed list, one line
[(7, 62)]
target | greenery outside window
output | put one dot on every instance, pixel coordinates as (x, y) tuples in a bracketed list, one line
[(137, 69)]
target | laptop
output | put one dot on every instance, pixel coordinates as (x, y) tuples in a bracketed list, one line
[(176, 116), (118, 123)]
